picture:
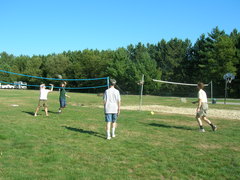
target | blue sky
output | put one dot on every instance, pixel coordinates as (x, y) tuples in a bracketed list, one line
[(33, 27)]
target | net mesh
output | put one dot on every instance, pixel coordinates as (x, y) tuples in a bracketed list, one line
[(178, 89), (103, 80)]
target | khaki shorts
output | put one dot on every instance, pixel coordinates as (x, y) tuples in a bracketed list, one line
[(203, 110), (42, 103)]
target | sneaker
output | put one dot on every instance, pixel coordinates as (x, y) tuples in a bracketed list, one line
[(35, 114), (108, 138), (59, 111), (214, 128), (113, 135), (201, 130)]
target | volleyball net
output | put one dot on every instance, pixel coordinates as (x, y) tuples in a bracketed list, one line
[(104, 81), (170, 88)]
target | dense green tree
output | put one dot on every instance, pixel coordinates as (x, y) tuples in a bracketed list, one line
[(6, 63), (172, 57), (146, 65), (235, 36), (214, 56), (208, 59), (122, 69)]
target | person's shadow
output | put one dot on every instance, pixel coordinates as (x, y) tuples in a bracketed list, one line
[(30, 113), (170, 126), (52, 112), (85, 131)]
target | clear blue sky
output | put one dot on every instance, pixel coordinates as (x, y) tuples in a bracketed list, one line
[(52, 26)]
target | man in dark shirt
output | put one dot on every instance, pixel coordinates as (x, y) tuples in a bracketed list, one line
[(62, 97)]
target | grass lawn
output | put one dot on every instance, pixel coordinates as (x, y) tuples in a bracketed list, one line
[(72, 145)]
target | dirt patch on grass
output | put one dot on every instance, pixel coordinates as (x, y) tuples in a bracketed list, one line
[(235, 149), (208, 146), (217, 113)]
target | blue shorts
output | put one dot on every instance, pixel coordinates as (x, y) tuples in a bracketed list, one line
[(111, 118), (63, 103)]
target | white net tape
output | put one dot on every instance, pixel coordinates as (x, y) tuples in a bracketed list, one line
[(177, 83)]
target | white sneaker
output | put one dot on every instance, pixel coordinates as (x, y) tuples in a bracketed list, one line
[(113, 135), (108, 138), (201, 130), (35, 114), (59, 111)]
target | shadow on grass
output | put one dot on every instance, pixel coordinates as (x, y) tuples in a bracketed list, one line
[(85, 131), (52, 112), (30, 113), (170, 126)]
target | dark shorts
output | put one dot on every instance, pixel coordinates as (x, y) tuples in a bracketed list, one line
[(111, 118), (63, 103), (42, 103)]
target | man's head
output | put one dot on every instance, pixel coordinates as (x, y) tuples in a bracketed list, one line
[(113, 82), (42, 86), (200, 85), (63, 84)]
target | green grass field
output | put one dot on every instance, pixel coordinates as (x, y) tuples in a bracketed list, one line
[(72, 145)]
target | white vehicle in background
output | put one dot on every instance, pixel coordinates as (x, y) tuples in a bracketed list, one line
[(20, 85), (16, 85), (7, 86)]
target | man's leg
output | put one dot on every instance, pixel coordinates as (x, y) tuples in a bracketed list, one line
[(214, 128), (206, 120), (35, 114), (108, 119), (200, 123), (114, 124), (108, 127), (60, 110), (61, 105), (38, 107), (46, 110)]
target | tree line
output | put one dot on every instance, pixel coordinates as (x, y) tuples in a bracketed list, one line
[(208, 59)]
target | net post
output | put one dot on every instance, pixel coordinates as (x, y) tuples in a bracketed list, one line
[(141, 93), (228, 79), (225, 98), (108, 82), (211, 90)]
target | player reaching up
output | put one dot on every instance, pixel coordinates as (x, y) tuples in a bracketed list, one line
[(43, 98), (62, 97)]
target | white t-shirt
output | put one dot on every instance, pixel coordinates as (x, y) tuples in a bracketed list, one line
[(202, 95), (43, 94), (111, 98)]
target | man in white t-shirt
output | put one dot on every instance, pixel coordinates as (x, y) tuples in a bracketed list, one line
[(202, 108), (112, 102), (43, 98)]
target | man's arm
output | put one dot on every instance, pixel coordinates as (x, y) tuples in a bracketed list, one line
[(67, 96), (119, 105), (199, 104), (104, 98), (51, 87)]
